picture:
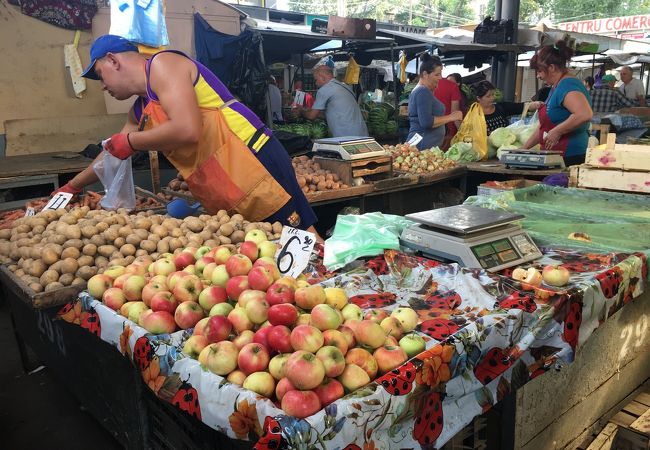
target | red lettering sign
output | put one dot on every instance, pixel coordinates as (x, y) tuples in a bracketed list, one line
[(608, 25)]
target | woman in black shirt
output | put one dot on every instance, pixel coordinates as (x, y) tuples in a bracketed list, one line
[(496, 114)]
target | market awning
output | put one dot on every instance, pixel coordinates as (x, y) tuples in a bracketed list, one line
[(283, 40)]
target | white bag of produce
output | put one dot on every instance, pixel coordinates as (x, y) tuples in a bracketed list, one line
[(117, 178)]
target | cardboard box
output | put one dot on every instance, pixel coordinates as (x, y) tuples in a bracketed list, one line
[(484, 189)]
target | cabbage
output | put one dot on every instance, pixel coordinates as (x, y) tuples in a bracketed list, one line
[(463, 152), (525, 132), (502, 136), (506, 147)]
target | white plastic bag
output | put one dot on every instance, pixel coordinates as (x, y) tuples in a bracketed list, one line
[(117, 177)]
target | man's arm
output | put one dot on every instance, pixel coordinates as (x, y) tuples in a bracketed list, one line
[(311, 114), (172, 81)]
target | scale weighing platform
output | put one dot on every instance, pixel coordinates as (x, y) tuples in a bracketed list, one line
[(532, 159), (348, 147), (471, 236)]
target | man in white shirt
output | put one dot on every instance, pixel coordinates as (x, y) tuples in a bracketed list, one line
[(632, 88), (276, 100)]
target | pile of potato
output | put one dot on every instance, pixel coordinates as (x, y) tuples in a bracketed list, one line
[(312, 177), (178, 184), (60, 248)]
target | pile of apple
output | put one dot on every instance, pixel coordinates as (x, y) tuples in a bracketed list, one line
[(300, 344), (553, 275)]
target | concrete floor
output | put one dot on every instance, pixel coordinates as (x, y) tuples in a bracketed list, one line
[(36, 411)]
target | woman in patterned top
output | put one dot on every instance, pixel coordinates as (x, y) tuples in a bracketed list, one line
[(496, 114)]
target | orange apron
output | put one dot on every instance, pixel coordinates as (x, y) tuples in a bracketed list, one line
[(220, 170)]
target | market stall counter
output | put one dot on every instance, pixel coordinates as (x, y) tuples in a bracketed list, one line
[(494, 170), (487, 335)]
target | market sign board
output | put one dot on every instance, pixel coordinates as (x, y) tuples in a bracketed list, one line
[(608, 25)]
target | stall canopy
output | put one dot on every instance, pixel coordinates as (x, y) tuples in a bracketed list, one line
[(283, 40)]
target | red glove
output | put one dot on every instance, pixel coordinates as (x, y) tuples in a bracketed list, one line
[(68, 188), (119, 146)]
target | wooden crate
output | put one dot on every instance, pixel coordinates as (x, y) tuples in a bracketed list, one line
[(633, 181), (379, 167), (37, 300), (619, 156), (629, 428)]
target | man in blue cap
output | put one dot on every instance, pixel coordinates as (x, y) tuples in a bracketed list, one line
[(226, 154), (606, 99)]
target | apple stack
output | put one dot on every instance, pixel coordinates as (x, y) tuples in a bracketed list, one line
[(302, 345)]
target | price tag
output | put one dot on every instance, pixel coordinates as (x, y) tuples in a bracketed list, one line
[(295, 250), (415, 140), (299, 98), (29, 212), (60, 200)]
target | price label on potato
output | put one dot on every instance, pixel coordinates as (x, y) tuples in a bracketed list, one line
[(295, 250), (60, 200), (29, 212)]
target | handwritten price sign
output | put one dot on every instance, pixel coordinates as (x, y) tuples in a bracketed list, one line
[(60, 200), (295, 250)]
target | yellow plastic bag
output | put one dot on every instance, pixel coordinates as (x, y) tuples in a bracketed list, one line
[(473, 129), (352, 73)]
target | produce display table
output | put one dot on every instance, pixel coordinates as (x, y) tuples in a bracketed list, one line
[(493, 170), (487, 337)]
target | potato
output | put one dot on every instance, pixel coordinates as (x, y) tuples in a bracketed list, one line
[(226, 229), (78, 281), (237, 218), (36, 287), (106, 250), (98, 240), (49, 276), (162, 247), (69, 265), (70, 252), (86, 272), (101, 261), (224, 240), (159, 231), (19, 273), (125, 231), (5, 234), (53, 286), (120, 241), (148, 245), (57, 239), (111, 234), (89, 250), (142, 234), (127, 249), (133, 240), (141, 252), (194, 224), (76, 243), (277, 227), (129, 259), (66, 279), (88, 231), (237, 236), (37, 268), (56, 266), (143, 223), (86, 260)]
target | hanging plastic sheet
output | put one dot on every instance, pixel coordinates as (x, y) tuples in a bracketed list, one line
[(141, 21), (77, 15)]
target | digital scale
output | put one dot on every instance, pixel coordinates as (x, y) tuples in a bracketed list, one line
[(348, 147), (470, 236), (532, 159)]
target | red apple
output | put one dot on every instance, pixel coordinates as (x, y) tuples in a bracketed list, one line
[(324, 317), (300, 404), (363, 359), (307, 338), (248, 295), (194, 345), (208, 270), (163, 267), (283, 386), (159, 322), (278, 365), (289, 282), (133, 287), (219, 358), (188, 289), (282, 314), (279, 339), (238, 265), (253, 358), (120, 280), (556, 275), (260, 278), (188, 314), (329, 391), (199, 328), (407, 316), (389, 358), (235, 286), (279, 293), (257, 310), (98, 284), (219, 276), (201, 263), (332, 359), (308, 297), (240, 320), (114, 298), (392, 326), (217, 329), (369, 334), (305, 370), (243, 338), (375, 315), (348, 334), (236, 377), (150, 290), (164, 301), (261, 336), (353, 378), (249, 249), (337, 339), (212, 295), (270, 265), (261, 383), (220, 254), (183, 259)]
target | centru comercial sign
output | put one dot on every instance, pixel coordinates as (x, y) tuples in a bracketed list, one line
[(608, 25)]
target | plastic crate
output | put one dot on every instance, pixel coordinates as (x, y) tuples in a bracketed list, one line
[(173, 429)]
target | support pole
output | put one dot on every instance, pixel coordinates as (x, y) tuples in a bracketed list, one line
[(508, 71), (396, 83), (269, 113)]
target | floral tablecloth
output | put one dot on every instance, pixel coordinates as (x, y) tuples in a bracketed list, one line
[(487, 336)]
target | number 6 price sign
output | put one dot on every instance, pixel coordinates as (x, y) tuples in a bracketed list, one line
[(295, 250)]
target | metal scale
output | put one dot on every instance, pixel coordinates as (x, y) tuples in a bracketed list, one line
[(471, 236), (532, 159), (348, 147)]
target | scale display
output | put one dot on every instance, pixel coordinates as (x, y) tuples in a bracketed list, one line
[(348, 147), (529, 159)]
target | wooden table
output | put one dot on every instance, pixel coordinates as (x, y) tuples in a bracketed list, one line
[(493, 170), (45, 163)]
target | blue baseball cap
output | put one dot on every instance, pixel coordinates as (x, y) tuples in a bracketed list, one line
[(108, 43)]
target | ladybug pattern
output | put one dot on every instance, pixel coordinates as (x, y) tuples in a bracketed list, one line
[(610, 281), (378, 265), (272, 435), (352, 447), (399, 381), (444, 300), (378, 300), (439, 329), (519, 300), (494, 363), (429, 423), (187, 399), (90, 321), (142, 353), (572, 324)]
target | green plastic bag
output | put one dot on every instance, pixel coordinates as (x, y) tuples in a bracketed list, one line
[(362, 235)]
